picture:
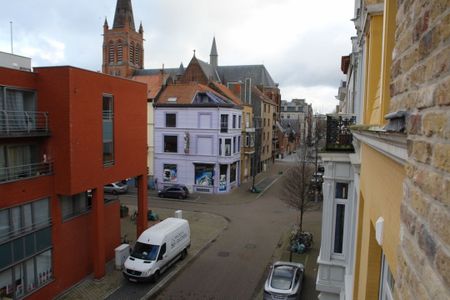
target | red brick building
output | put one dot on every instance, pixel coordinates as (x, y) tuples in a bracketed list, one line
[(64, 131)]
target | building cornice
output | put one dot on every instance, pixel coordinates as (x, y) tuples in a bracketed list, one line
[(393, 145)]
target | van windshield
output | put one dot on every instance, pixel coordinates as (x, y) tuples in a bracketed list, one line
[(145, 251)]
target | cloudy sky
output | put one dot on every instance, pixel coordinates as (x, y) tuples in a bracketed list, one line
[(299, 41)]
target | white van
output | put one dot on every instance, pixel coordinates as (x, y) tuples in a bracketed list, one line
[(157, 248)]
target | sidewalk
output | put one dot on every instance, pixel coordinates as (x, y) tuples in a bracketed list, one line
[(205, 228)]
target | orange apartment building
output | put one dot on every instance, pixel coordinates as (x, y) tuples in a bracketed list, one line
[(64, 131)]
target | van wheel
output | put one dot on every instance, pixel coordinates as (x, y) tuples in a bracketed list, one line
[(183, 254), (156, 276)]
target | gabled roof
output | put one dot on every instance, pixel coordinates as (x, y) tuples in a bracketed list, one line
[(208, 70), (258, 95), (154, 83), (258, 74), (192, 94), (124, 14), (220, 88)]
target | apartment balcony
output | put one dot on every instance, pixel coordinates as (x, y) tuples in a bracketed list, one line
[(339, 137), (23, 123), (20, 172)]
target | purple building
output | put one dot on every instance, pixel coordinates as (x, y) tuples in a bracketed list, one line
[(197, 138)]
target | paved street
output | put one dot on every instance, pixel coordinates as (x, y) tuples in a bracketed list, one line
[(235, 265)]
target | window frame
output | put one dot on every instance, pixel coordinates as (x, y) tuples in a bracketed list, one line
[(164, 143), (344, 202), (108, 118), (175, 115)]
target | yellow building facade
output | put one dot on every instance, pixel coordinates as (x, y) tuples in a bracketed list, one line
[(382, 155), (248, 142)]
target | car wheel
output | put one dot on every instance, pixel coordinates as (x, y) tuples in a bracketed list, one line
[(183, 254), (180, 197), (114, 192), (156, 276)]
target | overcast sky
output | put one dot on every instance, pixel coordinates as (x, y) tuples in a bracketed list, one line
[(299, 41)]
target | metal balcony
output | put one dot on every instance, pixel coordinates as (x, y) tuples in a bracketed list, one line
[(23, 123), (339, 136), (20, 172)]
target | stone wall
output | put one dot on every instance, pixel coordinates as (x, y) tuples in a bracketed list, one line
[(420, 84)]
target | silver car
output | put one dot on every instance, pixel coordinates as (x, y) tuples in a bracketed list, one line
[(116, 188), (284, 281)]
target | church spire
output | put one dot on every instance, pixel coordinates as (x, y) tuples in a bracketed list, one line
[(213, 56), (124, 15)]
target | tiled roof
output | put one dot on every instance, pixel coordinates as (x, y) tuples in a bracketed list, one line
[(191, 93), (258, 74), (226, 92), (154, 83), (260, 96)]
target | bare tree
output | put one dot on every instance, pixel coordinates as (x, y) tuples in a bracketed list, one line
[(297, 185)]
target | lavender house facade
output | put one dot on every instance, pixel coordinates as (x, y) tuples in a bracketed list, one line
[(197, 139)]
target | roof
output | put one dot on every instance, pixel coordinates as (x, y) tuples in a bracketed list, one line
[(258, 74), (209, 70), (154, 83), (124, 14), (258, 95), (157, 232), (225, 91), (171, 71), (213, 48), (192, 94)]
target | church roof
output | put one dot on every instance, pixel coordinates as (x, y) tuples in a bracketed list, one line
[(213, 48), (209, 70), (258, 74), (124, 14)]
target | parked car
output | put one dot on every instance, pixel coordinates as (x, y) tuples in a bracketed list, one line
[(174, 191), (284, 281), (115, 188)]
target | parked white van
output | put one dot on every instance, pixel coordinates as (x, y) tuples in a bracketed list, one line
[(157, 248)]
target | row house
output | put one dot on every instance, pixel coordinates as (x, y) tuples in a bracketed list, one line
[(197, 138), (385, 211), (64, 131)]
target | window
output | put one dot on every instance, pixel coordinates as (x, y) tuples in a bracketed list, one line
[(171, 143), (111, 52), (131, 58), (239, 144), (108, 130), (137, 56), (25, 252), (234, 145), (220, 146), (387, 281), (234, 121), (24, 218), (204, 174), (339, 228), (75, 205), (247, 120), (341, 190), (223, 123), (227, 147), (240, 122), (119, 52), (233, 168), (169, 173), (171, 120)]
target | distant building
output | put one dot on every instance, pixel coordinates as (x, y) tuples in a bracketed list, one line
[(64, 134), (197, 138)]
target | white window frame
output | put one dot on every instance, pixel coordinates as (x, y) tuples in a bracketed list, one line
[(345, 202), (385, 292)]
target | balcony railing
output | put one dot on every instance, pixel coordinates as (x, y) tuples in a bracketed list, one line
[(25, 171), (339, 137), (23, 123)]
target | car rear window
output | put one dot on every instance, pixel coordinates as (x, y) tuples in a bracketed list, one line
[(282, 278)]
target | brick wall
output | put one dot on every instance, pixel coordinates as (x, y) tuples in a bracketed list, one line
[(420, 84)]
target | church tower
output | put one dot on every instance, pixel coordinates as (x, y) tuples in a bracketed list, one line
[(123, 46)]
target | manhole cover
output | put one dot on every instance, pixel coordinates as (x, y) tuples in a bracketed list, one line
[(223, 253), (250, 246)]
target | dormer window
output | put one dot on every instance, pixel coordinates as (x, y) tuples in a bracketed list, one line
[(172, 99)]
